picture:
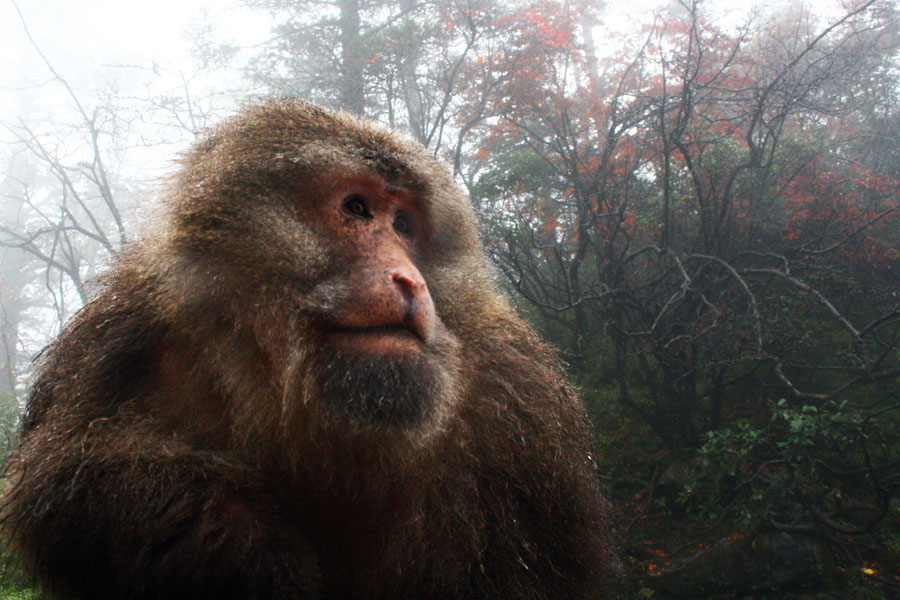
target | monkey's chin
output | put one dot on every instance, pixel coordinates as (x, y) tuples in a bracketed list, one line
[(382, 389)]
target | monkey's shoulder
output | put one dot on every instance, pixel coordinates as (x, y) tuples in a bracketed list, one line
[(103, 349)]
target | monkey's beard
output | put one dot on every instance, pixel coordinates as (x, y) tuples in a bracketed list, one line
[(393, 390), (408, 392)]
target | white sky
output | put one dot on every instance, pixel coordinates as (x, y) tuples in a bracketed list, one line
[(84, 37), (95, 30)]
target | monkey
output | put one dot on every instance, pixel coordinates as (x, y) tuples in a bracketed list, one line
[(303, 382)]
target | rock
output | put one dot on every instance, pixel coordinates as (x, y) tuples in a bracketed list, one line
[(795, 562), (763, 564)]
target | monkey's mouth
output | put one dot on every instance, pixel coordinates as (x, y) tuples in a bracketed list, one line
[(379, 339)]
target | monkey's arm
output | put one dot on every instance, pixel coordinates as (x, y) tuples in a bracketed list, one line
[(120, 512)]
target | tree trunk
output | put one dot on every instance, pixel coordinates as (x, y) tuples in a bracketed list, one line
[(352, 87)]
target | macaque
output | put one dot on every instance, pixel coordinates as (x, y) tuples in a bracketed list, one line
[(303, 383)]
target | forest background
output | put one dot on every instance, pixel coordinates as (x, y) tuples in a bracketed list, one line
[(699, 208)]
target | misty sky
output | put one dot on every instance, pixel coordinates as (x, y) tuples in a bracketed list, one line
[(94, 43), (93, 33)]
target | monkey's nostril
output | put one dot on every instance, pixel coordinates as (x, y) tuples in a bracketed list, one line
[(412, 285), (403, 280)]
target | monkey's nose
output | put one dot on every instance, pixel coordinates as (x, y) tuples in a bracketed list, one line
[(420, 308)]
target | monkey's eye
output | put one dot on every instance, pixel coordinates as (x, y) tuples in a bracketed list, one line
[(357, 206), (403, 224)]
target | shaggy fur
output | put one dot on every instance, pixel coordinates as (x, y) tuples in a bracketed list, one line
[(185, 435)]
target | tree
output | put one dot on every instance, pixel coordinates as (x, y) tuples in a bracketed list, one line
[(694, 225), (69, 191), (419, 65)]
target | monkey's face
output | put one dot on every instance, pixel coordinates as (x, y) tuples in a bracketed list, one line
[(374, 230), (337, 250), (384, 351)]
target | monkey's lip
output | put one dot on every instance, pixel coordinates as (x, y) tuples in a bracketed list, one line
[(377, 339)]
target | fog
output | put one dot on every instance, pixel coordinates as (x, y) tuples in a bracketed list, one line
[(695, 202)]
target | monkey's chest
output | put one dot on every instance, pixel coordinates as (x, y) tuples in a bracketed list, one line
[(398, 551)]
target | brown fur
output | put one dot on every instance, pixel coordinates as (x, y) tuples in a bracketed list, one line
[(176, 444)]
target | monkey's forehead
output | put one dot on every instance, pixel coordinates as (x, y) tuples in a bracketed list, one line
[(322, 157), (288, 137), (289, 144)]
